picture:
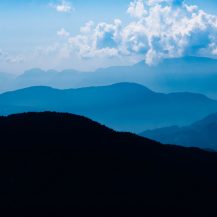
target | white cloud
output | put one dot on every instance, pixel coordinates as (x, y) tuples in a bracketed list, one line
[(100, 40), (63, 33), (88, 27), (57, 50), (137, 9), (159, 29), (15, 60), (6, 57), (63, 7), (47, 50)]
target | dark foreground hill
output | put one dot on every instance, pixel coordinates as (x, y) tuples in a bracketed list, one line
[(59, 164), (201, 134), (124, 106)]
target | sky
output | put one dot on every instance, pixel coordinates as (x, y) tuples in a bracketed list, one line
[(89, 34)]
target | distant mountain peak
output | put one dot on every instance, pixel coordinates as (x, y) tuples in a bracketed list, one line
[(131, 85), (37, 88), (210, 119), (199, 134), (34, 70)]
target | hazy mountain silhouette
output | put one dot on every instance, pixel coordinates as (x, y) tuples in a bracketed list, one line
[(123, 106), (192, 74), (35, 77), (5, 81), (201, 134), (62, 162)]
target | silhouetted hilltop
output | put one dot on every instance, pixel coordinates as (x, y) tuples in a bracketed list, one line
[(123, 106), (65, 163), (201, 134)]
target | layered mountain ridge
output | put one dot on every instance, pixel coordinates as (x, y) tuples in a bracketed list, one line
[(199, 134), (192, 74), (123, 106)]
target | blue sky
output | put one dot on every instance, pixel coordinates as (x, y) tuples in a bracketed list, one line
[(34, 33)]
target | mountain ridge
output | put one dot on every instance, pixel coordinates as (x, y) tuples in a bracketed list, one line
[(200, 134), (123, 106), (192, 74)]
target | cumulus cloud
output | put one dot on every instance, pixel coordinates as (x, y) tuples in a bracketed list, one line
[(159, 29), (137, 9), (97, 40), (88, 27), (63, 7), (63, 33)]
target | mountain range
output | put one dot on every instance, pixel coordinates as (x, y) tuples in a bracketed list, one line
[(53, 164), (123, 106), (192, 74), (199, 134)]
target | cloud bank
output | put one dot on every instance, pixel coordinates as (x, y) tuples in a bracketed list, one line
[(159, 29), (6, 57)]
